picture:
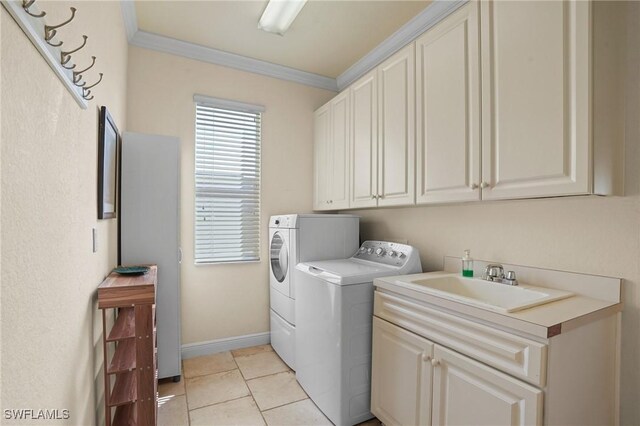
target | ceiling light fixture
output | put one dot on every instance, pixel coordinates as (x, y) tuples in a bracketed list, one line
[(279, 15)]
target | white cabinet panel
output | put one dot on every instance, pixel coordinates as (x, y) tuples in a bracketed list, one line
[(466, 392), (396, 121), (151, 201), (364, 142), (322, 132), (339, 153), (331, 154), (536, 123), (448, 109), (401, 376)]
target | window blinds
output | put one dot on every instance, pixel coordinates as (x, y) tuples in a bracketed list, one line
[(227, 177)]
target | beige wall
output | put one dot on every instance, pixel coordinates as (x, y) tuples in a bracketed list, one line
[(51, 329), (593, 235), (229, 299)]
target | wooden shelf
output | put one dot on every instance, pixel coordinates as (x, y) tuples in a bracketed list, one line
[(118, 290), (124, 358), (126, 415), (125, 326), (125, 391), (130, 383)]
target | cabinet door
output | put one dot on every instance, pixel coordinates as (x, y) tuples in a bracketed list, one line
[(401, 376), (396, 124), (338, 155), (448, 110), (364, 142), (321, 146), (535, 98), (466, 392)]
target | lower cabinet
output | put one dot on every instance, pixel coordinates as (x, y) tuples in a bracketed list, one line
[(418, 382), (401, 376), (466, 392)]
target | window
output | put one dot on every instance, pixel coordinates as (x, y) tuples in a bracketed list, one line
[(227, 176)]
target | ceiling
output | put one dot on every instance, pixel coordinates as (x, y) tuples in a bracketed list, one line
[(327, 37)]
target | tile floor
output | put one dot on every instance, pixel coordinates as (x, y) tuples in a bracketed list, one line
[(250, 386)]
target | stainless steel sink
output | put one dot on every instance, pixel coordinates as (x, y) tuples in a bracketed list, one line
[(485, 294)]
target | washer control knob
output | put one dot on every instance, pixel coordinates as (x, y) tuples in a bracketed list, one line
[(392, 253), (380, 251), (401, 255), (362, 249), (370, 250)]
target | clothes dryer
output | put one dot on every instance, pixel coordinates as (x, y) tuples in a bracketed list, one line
[(297, 238)]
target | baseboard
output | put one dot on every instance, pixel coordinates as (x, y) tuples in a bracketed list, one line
[(192, 350)]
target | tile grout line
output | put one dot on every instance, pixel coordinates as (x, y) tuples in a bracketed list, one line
[(246, 382), (186, 394), (267, 375), (289, 370), (284, 405), (221, 402), (253, 397)]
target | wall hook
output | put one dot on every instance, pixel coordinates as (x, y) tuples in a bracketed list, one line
[(94, 84), (26, 4), (66, 56), (77, 75), (85, 90), (51, 30)]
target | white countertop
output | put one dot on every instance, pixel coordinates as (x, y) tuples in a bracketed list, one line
[(544, 321)]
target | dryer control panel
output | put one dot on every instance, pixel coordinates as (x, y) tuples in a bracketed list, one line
[(385, 252), (283, 221)]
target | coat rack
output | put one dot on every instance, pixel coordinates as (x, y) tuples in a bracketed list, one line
[(62, 60)]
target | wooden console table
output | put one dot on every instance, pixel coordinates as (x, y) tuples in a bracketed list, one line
[(132, 400)]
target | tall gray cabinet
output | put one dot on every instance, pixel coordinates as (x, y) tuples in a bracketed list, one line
[(150, 220)]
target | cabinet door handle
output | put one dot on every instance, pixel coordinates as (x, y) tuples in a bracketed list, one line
[(484, 185), (426, 357), (435, 362), (474, 186)]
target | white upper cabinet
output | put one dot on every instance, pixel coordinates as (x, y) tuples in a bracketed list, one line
[(339, 154), (499, 100), (364, 141), (396, 129), (331, 152), (322, 131), (536, 98), (448, 109)]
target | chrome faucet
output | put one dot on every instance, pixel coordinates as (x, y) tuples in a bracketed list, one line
[(495, 272)]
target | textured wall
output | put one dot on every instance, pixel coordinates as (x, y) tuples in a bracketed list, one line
[(229, 299), (51, 329)]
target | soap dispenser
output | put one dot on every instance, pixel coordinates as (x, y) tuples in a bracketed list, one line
[(467, 264)]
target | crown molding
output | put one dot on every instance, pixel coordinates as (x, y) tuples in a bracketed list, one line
[(129, 17), (185, 49), (426, 19), (219, 57)]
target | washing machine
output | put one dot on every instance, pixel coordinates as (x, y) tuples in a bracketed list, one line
[(334, 314), (297, 238)]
